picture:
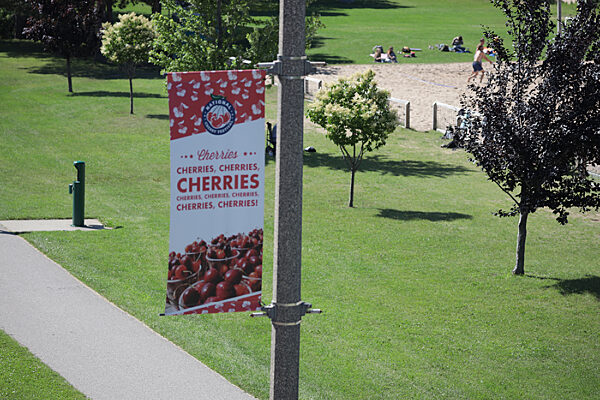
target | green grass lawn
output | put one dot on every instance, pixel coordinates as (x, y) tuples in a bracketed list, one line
[(354, 27), (415, 280), (24, 377)]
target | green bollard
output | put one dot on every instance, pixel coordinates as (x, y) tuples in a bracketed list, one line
[(77, 188)]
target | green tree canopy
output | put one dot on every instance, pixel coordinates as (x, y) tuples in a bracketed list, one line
[(200, 36), (216, 34)]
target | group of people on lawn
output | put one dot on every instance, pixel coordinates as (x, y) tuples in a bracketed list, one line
[(389, 57), (481, 54), (380, 56)]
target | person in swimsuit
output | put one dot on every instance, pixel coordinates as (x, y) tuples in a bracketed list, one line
[(477, 67)]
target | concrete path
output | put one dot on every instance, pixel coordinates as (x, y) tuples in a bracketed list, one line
[(38, 225), (102, 351)]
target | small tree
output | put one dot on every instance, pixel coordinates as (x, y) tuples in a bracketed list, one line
[(357, 117), (68, 27), (536, 125), (128, 43)]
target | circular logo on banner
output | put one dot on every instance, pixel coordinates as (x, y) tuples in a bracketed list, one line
[(218, 115)]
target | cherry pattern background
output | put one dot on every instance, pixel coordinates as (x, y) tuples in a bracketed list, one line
[(190, 92)]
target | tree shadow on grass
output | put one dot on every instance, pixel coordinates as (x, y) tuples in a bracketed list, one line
[(588, 284), (319, 41), (327, 8), (329, 59), (22, 48), (422, 215), (269, 159), (104, 93), (90, 68), (324, 5), (158, 116), (383, 165)]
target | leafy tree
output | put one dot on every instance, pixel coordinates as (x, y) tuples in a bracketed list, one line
[(68, 27), (356, 116), (200, 36), (128, 43), (535, 126), (264, 39), (206, 34)]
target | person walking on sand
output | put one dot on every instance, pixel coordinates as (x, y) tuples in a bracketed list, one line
[(477, 67)]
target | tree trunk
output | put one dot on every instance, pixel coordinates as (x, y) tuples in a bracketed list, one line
[(352, 172), (219, 26), (156, 7), (520, 264), (351, 202), (109, 11), (131, 93), (20, 22), (69, 74)]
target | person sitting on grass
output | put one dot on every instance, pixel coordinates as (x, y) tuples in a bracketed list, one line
[(457, 45), (391, 56), (477, 67), (377, 55)]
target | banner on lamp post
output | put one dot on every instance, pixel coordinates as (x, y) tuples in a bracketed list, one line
[(217, 125)]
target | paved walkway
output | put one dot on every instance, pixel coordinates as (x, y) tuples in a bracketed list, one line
[(102, 351), (37, 225)]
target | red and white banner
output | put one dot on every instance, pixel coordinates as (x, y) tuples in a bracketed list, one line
[(217, 124)]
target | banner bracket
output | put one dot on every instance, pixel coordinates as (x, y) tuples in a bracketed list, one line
[(295, 67), (286, 313)]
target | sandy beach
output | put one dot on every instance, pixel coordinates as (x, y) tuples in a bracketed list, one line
[(421, 84)]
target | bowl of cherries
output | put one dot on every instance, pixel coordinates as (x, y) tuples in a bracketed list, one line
[(223, 269), (228, 275), (243, 243), (183, 271), (197, 250), (221, 257)]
